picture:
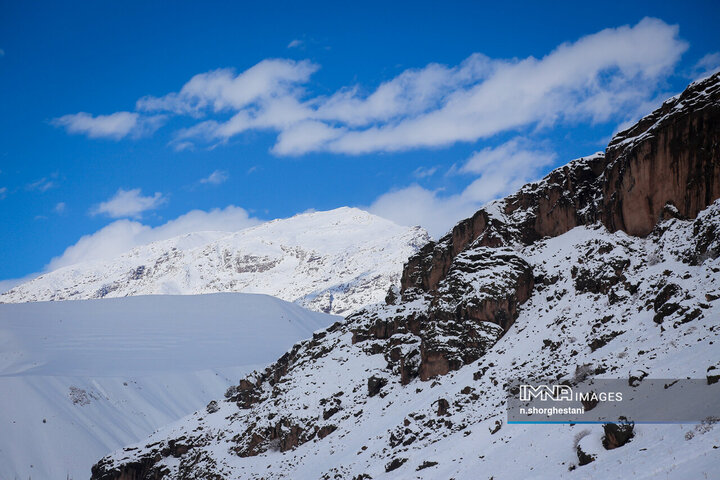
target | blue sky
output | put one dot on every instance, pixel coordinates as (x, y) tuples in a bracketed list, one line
[(127, 122)]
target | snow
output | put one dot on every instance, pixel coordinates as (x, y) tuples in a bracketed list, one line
[(80, 379), (402, 422), (336, 262)]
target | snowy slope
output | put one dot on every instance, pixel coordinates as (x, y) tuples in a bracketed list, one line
[(313, 416), (336, 262), (79, 379)]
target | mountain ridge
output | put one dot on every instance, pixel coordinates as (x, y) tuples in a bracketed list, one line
[(543, 282), (335, 262)]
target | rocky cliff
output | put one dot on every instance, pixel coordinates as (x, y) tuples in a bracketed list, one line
[(666, 164), (598, 267)]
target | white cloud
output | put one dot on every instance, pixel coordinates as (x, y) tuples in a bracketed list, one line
[(706, 66), (415, 205), (422, 172), (303, 137), (123, 235), (216, 178), (411, 93), (2, 52), (592, 79), (599, 77), (128, 203), (222, 89), (114, 126), (3, 192), (498, 172), (182, 146), (9, 284), (295, 43), (60, 208)]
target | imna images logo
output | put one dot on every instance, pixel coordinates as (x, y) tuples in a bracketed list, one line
[(564, 393), (557, 393)]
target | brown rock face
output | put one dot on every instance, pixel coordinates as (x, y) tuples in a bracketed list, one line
[(677, 162), (436, 363), (429, 266), (470, 308), (144, 469), (488, 297), (564, 199)]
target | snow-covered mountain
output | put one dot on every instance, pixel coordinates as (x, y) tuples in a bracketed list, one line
[(81, 379), (335, 262), (609, 267)]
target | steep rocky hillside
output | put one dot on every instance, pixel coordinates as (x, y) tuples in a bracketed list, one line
[(335, 262), (607, 267)]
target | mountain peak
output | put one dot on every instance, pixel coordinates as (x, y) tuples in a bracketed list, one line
[(334, 261)]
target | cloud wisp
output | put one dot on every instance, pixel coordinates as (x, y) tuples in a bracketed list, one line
[(498, 171), (42, 185), (215, 178), (590, 80), (128, 203), (123, 235), (706, 66), (114, 126)]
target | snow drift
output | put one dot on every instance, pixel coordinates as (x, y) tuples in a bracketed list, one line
[(79, 379)]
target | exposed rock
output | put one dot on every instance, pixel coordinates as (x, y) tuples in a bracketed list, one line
[(443, 407), (395, 464), (375, 384), (426, 464), (144, 469), (670, 156), (484, 285), (583, 458), (601, 269), (326, 430), (667, 292), (212, 407), (713, 375), (590, 403), (665, 310), (636, 377), (617, 434)]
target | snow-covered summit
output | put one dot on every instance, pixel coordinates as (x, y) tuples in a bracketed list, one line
[(333, 261)]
